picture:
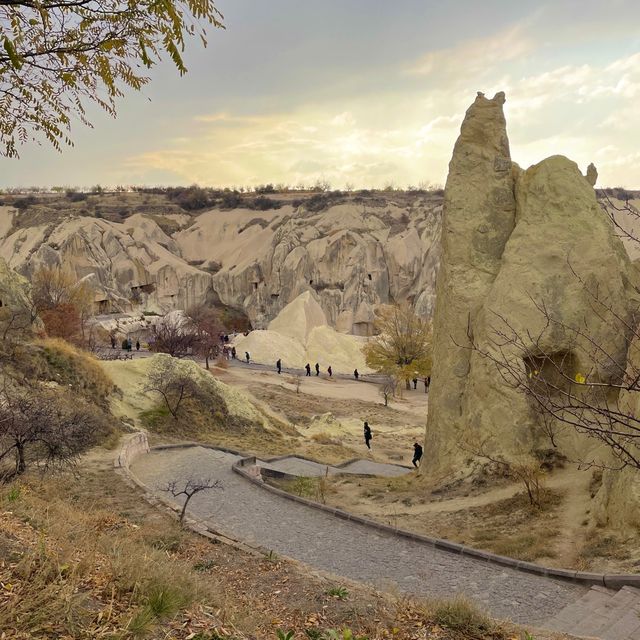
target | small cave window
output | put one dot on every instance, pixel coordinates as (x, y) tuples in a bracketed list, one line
[(275, 295), (0, 303), (369, 276), (554, 370), (310, 281), (255, 286)]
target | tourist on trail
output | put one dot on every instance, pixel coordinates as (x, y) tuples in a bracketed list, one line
[(330, 371), (317, 369), (137, 345), (308, 369), (427, 384), (367, 435), (417, 455), (234, 353), (415, 383), (247, 356), (279, 365), (356, 375), (129, 344)]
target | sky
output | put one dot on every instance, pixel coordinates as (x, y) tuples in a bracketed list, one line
[(367, 94)]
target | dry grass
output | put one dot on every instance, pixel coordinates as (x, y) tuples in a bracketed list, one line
[(86, 558)]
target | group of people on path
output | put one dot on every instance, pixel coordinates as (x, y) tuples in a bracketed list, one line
[(417, 448), (307, 368)]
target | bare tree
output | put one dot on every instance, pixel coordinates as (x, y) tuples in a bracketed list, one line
[(50, 429), (174, 382), (207, 326), (388, 388), (522, 467), (190, 488), (175, 335), (585, 386)]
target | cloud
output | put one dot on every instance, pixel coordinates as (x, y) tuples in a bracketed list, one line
[(475, 55)]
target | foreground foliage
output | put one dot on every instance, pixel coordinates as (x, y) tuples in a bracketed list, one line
[(58, 54)]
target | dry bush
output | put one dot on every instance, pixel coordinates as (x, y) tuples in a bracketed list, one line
[(325, 438), (462, 616)]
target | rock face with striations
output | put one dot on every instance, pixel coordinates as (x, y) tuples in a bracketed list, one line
[(352, 255), (512, 241)]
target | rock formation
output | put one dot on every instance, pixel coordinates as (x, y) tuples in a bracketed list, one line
[(352, 256), (300, 334), (514, 240)]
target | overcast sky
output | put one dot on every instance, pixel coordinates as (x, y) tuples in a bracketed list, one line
[(368, 93)]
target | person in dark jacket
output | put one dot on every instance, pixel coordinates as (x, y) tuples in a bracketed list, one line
[(417, 454), (317, 369), (356, 375), (329, 370), (308, 369), (427, 384), (415, 383), (367, 435), (247, 357), (233, 353), (137, 345), (279, 366)]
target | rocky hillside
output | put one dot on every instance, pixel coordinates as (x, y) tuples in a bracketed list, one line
[(354, 250)]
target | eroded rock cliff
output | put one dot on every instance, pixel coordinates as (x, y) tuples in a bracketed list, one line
[(354, 255)]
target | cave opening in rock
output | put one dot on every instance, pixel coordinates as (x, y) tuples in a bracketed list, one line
[(554, 370)]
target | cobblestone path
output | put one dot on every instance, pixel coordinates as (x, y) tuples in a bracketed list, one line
[(248, 513)]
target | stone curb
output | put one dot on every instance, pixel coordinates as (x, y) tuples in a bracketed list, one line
[(580, 577)]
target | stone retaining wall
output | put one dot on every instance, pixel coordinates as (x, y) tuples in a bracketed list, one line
[(133, 446)]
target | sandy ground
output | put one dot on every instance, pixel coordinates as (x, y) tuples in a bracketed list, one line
[(335, 409)]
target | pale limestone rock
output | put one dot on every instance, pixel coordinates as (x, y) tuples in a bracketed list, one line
[(592, 175), (508, 237), (479, 215)]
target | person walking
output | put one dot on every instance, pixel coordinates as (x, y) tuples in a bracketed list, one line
[(279, 366), (417, 455), (317, 369), (247, 357), (234, 353), (129, 344), (427, 384), (329, 370), (356, 375), (308, 369), (137, 345), (415, 383), (367, 434)]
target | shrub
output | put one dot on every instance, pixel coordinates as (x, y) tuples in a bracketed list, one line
[(231, 200), (76, 196), (261, 203), (462, 616)]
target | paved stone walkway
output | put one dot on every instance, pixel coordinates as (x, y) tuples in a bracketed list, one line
[(307, 468), (250, 514)]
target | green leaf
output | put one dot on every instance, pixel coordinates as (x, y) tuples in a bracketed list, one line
[(12, 53)]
